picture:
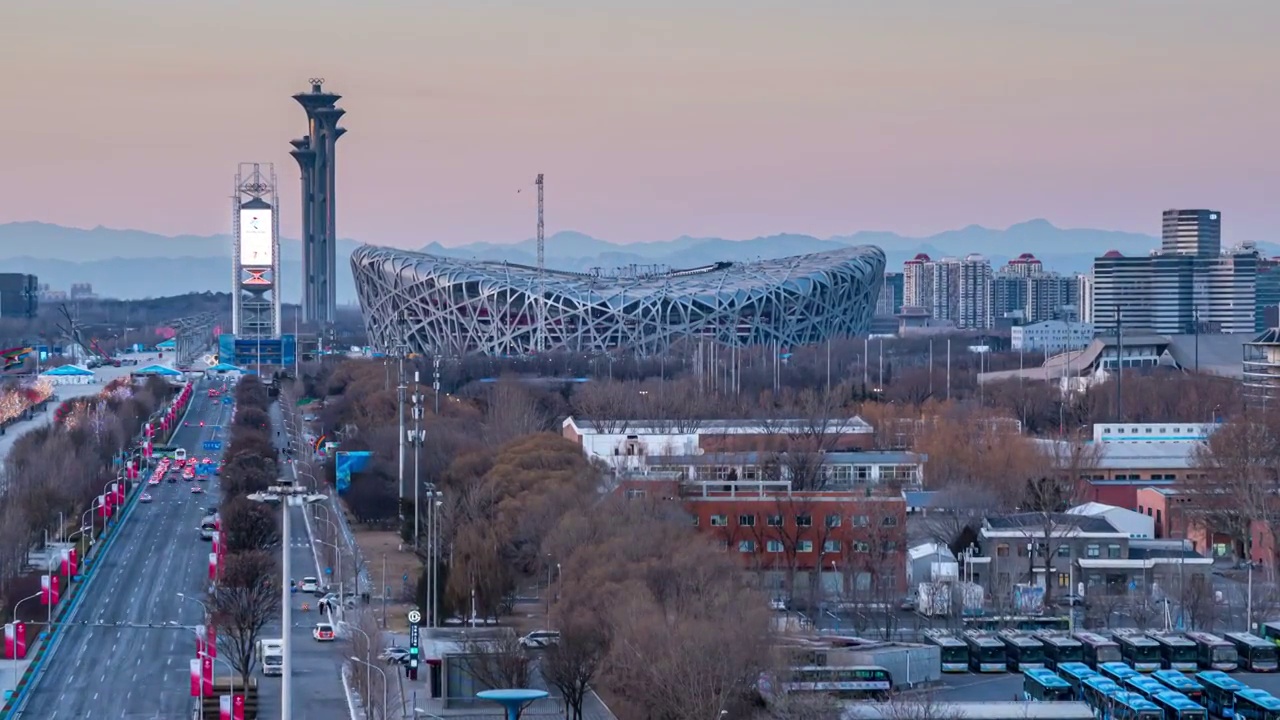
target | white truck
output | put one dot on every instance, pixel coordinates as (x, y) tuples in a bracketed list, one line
[(271, 655)]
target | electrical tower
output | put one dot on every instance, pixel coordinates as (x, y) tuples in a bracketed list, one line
[(542, 269)]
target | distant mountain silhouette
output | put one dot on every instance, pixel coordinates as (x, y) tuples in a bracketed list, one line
[(136, 264)]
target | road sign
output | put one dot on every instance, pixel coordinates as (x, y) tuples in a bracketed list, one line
[(226, 401), (212, 445), (328, 571), (415, 617)]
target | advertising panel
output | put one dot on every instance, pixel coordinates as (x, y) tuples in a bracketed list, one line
[(255, 238)]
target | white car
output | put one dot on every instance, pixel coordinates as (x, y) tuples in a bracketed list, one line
[(394, 655), (145, 498), (309, 585), (540, 639), (323, 632)]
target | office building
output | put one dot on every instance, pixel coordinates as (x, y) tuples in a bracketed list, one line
[(1051, 336), (889, 302), (1189, 285), (19, 295), (315, 155), (1266, 314)]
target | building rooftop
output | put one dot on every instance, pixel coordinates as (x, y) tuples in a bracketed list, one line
[(745, 426), (1219, 354), (878, 457), (1137, 455), (1032, 520)]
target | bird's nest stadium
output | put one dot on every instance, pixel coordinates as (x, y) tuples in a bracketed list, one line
[(436, 305)]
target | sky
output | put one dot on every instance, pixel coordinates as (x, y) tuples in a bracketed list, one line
[(650, 120)]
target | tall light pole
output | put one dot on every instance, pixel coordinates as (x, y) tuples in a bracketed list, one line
[(384, 681), (368, 653), (416, 436), (16, 674), (400, 388), (292, 495)]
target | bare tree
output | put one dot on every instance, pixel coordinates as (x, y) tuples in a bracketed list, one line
[(571, 665), (367, 643), (499, 661), (240, 614)]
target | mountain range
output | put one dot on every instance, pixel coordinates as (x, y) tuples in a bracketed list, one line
[(132, 264)]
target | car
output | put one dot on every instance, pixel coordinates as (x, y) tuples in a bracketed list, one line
[(196, 489), (186, 424), (153, 480), (323, 632), (309, 585), (1071, 600), (539, 639), (144, 498), (332, 600), (394, 655), (213, 392), (172, 478)]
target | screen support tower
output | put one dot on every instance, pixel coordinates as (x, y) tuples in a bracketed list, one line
[(315, 155), (255, 308), (542, 270)]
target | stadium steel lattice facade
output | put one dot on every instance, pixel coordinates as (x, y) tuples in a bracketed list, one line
[(436, 305)]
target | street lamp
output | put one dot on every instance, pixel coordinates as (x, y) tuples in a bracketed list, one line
[(15, 653), (368, 653), (384, 683), (292, 496), (201, 603)]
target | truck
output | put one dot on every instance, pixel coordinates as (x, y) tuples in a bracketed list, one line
[(271, 655)]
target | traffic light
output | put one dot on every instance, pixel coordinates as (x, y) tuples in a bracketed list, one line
[(412, 671)]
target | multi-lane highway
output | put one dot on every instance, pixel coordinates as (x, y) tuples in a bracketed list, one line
[(124, 652)]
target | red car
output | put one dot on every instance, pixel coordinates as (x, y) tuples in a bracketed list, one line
[(213, 392)]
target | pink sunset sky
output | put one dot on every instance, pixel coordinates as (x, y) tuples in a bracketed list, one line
[(650, 119)]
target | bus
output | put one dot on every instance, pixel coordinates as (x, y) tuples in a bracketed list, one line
[(1270, 631), (1060, 648), (1117, 671), (850, 681), (1214, 653), (1178, 682), (1177, 706), (1253, 704), (1045, 686), (1097, 690), (1022, 652), (986, 652), (1132, 706), (1075, 674), (1176, 652), (1141, 652), (954, 651), (1097, 649), (995, 710), (1144, 686), (1256, 654), (1219, 691), (1026, 623)]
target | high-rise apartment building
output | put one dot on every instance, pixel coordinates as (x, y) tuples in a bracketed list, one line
[(1084, 296), (954, 289), (1188, 284), (973, 296), (917, 281)]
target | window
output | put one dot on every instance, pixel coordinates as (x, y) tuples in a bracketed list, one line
[(719, 521), (833, 521), (861, 521), (773, 546), (747, 520), (890, 546), (1093, 551), (723, 545), (841, 473), (746, 546), (804, 546), (804, 520), (633, 494), (831, 546), (774, 520), (1002, 551), (695, 521), (1064, 551), (890, 521), (1064, 580), (1113, 552), (1022, 550), (861, 547)]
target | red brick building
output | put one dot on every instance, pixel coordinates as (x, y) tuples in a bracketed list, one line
[(840, 545)]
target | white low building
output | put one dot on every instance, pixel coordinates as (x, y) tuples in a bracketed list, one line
[(1052, 336), (1134, 524)]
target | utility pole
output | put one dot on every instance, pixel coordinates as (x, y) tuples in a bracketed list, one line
[(416, 436), (435, 381), (400, 388)]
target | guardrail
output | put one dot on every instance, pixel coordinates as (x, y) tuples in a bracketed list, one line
[(16, 703)]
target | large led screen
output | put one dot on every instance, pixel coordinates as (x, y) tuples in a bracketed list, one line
[(255, 238)]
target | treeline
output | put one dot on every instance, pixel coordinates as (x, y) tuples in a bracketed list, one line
[(58, 470), (247, 593)]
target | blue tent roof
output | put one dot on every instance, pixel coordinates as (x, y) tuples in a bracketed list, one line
[(225, 367), (167, 344), (157, 370), (67, 371)]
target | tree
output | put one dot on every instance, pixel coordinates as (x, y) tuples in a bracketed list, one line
[(245, 569), (571, 665), (253, 418), (247, 472), (1241, 484), (499, 661), (248, 525), (240, 614)]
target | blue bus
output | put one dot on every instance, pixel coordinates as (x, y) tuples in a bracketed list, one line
[(1253, 704), (1220, 692), (1144, 686), (1096, 690), (1045, 686), (1131, 706), (1177, 706), (1180, 683), (1117, 671), (1075, 673)]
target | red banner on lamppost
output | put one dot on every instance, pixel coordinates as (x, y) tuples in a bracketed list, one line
[(206, 670), (196, 685)]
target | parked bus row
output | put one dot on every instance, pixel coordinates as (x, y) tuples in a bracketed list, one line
[(1118, 692), (1017, 651)]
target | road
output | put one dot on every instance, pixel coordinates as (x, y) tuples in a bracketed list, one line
[(317, 667), (121, 655)]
